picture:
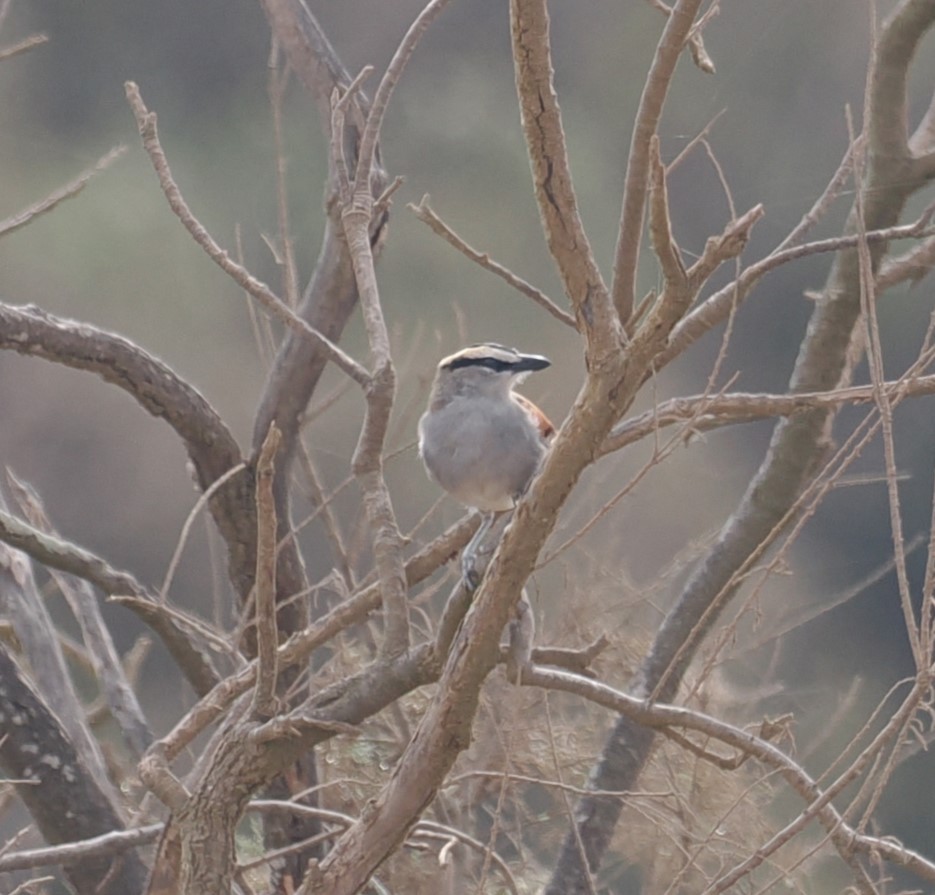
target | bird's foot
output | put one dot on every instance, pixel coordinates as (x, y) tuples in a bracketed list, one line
[(469, 573)]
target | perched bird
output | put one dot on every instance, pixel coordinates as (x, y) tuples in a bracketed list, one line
[(480, 440)]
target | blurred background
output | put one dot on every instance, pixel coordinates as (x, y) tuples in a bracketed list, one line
[(115, 480)]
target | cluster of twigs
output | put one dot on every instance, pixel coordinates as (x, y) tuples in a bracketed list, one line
[(261, 720)]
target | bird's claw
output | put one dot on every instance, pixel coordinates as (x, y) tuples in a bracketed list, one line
[(469, 573)]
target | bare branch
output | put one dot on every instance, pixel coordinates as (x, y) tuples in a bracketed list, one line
[(660, 227), (706, 412), (121, 701), (671, 43), (65, 556), (203, 499), (821, 205), (331, 294), (264, 694), (104, 846), (277, 83), (818, 801), (371, 133), (23, 46), (69, 191), (53, 551), (716, 308), (211, 446), (146, 121), (357, 218), (425, 214), (301, 644), (912, 265), (548, 155), (874, 351), (64, 806), (308, 50)]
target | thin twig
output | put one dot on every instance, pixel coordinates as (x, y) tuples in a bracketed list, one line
[(818, 801), (371, 133), (700, 137), (660, 225), (23, 46), (425, 214), (276, 89), (821, 205), (874, 351), (69, 191), (200, 504), (146, 122), (718, 306)]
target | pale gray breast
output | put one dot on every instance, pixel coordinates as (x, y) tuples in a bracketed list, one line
[(483, 452)]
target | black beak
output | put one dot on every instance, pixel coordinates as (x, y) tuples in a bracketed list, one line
[(531, 362)]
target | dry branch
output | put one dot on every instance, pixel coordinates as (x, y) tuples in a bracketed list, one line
[(146, 121), (717, 307), (23, 46), (357, 216), (155, 387), (267, 637), (69, 191), (676, 33), (797, 445), (707, 412), (105, 845), (818, 799), (425, 214), (115, 687), (555, 194), (176, 631), (330, 296), (64, 806)]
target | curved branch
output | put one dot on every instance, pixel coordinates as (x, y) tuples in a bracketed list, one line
[(31, 331), (792, 460), (159, 390), (56, 553), (846, 839)]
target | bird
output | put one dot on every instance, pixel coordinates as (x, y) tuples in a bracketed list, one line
[(480, 440)]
